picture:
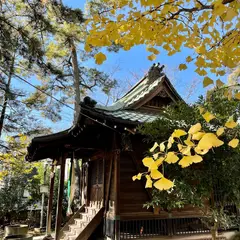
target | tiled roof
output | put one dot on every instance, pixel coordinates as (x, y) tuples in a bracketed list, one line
[(133, 116), (138, 92)]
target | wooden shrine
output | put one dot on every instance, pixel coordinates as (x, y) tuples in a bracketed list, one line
[(105, 138)]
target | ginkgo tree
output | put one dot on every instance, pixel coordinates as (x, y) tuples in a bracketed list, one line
[(216, 177), (191, 146), (209, 28)]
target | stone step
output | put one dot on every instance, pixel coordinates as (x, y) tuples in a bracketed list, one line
[(70, 235), (87, 217), (73, 228), (81, 222), (91, 210)]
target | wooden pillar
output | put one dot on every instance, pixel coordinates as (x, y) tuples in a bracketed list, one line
[(117, 189), (50, 200), (60, 198)]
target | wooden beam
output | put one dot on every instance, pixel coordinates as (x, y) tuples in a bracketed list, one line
[(116, 153), (60, 198), (108, 185), (50, 201), (104, 182)]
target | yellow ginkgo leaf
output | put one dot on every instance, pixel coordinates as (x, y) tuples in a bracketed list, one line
[(180, 147), (182, 66), (230, 124), (155, 156), (233, 143), (139, 176), (162, 147), (201, 151), (237, 95), (150, 163), (153, 50), (169, 145), (178, 133), (152, 57), (149, 183), (196, 158), (208, 116), (207, 81), (154, 147), (99, 58), (171, 140), (147, 161), (155, 174), (208, 141), (201, 110), (186, 150), (198, 135), (185, 162), (171, 157), (159, 161), (219, 83), (220, 131), (163, 184), (188, 141), (195, 128)]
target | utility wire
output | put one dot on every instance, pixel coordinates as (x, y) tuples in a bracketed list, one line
[(59, 101)]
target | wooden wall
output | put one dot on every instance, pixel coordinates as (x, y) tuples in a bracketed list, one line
[(132, 194)]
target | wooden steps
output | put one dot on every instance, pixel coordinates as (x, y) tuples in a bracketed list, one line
[(82, 224)]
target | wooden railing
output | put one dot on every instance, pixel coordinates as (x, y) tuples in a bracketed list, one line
[(131, 229), (92, 225), (71, 220)]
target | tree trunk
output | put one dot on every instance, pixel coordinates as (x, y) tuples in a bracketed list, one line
[(214, 232), (6, 97), (76, 79), (77, 108)]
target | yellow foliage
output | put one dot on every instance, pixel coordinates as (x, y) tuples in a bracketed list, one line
[(195, 128), (220, 131), (151, 23), (154, 147), (149, 182), (163, 184), (178, 133), (186, 150), (208, 141), (230, 124), (182, 67), (159, 161), (150, 163), (208, 116), (201, 151), (171, 157), (219, 83), (137, 177), (207, 81), (188, 160), (162, 147), (198, 135), (99, 58), (155, 174), (237, 95), (233, 143), (152, 57)]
